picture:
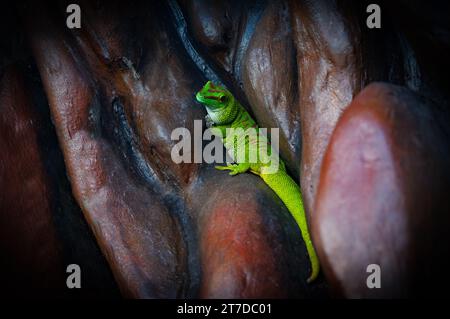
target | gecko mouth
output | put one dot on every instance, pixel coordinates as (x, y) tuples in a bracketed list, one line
[(212, 100)]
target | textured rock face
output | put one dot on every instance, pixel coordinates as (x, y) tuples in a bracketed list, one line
[(325, 48), (42, 230), (99, 104), (139, 237)]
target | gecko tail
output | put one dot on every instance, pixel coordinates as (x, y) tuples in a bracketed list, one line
[(289, 192)]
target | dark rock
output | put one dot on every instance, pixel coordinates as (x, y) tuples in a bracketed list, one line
[(30, 254)]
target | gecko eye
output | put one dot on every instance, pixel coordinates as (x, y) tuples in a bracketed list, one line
[(223, 99)]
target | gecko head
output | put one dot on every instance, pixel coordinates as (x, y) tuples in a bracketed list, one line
[(214, 97)]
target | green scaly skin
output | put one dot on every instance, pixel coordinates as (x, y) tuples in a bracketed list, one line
[(224, 111)]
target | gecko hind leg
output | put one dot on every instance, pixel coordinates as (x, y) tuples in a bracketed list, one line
[(235, 168)]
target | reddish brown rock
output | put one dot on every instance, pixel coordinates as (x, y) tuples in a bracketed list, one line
[(270, 80), (153, 89), (328, 78), (250, 246), (382, 196), (140, 239)]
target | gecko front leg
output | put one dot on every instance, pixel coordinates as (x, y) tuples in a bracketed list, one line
[(208, 121)]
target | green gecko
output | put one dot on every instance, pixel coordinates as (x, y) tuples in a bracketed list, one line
[(225, 112)]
